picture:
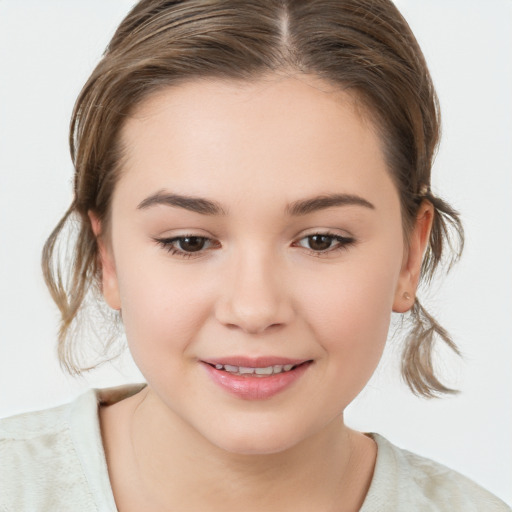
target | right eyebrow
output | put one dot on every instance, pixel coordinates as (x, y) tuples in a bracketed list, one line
[(194, 204)]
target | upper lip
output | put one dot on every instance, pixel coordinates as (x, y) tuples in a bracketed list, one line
[(254, 362)]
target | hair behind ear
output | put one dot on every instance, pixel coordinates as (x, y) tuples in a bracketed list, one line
[(70, 280), (446, 229), (417, 366)]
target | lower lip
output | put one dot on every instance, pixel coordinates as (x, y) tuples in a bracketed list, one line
[(255, 388)]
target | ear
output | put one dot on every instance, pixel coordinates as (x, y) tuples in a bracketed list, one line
[(413, 257), (109, 283)]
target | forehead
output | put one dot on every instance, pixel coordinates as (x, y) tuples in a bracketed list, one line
[(276, 137)]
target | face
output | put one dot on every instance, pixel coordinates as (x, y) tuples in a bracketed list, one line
[(256, 250)]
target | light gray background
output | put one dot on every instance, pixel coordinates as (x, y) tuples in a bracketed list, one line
[(47, 50)]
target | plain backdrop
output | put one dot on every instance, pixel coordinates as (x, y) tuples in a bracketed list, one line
[(47, 50)]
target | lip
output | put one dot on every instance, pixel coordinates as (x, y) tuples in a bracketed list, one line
[(250, 387)]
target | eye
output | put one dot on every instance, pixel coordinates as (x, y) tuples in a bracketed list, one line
[(185, 246), (321, 243), (191, 243)]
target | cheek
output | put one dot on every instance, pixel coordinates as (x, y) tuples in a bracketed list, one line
[(349, 311), (163, 306)]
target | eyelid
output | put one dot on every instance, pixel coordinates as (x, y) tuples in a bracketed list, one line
[(326, 232), (344, 242), (169, 244)]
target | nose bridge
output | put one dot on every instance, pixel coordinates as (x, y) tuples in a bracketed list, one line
[(255, 295)]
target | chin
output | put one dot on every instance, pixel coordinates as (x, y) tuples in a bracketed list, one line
[(256, 445), (256, 438)]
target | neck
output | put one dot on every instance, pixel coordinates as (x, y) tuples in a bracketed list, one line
[(173, 464)]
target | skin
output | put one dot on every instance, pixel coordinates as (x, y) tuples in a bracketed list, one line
[(258, 288)]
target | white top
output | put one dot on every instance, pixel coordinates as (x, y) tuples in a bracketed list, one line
[(53, 460)]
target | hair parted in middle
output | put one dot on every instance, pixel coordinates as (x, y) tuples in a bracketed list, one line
[(364, 47)]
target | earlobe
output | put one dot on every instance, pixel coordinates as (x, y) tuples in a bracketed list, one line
[(109, 283), (413, 257)]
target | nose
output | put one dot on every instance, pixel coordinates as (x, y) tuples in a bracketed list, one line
[(255, 296)]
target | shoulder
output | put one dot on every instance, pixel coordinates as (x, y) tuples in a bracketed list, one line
[(46, 457), (404, 481)]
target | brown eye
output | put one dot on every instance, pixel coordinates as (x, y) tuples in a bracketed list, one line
[(191, 243), (320, 242), (187, 246), (325, 243)]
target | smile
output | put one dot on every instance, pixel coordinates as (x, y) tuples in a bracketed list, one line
[(256, 371), (256, 381)]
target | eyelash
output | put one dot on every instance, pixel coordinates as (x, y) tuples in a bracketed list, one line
[(169, 245)]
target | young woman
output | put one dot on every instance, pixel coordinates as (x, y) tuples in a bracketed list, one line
[(253, 197)]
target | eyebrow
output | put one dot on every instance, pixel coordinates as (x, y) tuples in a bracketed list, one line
[(295, 209), (305, 206), (194, 204)]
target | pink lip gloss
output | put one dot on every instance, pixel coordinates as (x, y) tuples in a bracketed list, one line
[(251, 386)]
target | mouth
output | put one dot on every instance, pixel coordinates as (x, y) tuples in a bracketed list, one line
[(257, 371), (256, 379)]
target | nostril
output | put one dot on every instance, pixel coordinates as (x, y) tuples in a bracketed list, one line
[(253, 313)]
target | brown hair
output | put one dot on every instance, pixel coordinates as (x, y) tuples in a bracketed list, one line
[(363, 46)]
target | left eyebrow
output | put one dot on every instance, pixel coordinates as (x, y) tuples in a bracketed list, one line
[(313, 204)]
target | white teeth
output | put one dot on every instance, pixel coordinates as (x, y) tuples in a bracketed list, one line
[(245, 370), (264, 371)]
